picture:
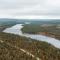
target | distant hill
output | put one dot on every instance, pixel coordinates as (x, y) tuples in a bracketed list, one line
[(4, 21), (40, 21), (7, 21)]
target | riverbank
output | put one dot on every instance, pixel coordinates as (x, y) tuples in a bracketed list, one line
[(48, 30)]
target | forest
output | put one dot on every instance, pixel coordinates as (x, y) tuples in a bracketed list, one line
[(39, 49)]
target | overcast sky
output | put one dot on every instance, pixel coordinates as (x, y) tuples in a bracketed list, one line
[(29, 8)]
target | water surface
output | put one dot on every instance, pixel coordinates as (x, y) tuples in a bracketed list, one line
[(16, 29)]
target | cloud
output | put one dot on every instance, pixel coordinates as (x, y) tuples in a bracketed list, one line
[(39, 7), (7, 4), (16, 8)]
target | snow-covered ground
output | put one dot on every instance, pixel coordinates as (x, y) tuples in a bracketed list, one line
[(16, 29)]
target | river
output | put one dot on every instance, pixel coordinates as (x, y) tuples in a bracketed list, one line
[(16, 29)]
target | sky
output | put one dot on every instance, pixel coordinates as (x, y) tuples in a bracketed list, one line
[(30, 9)]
